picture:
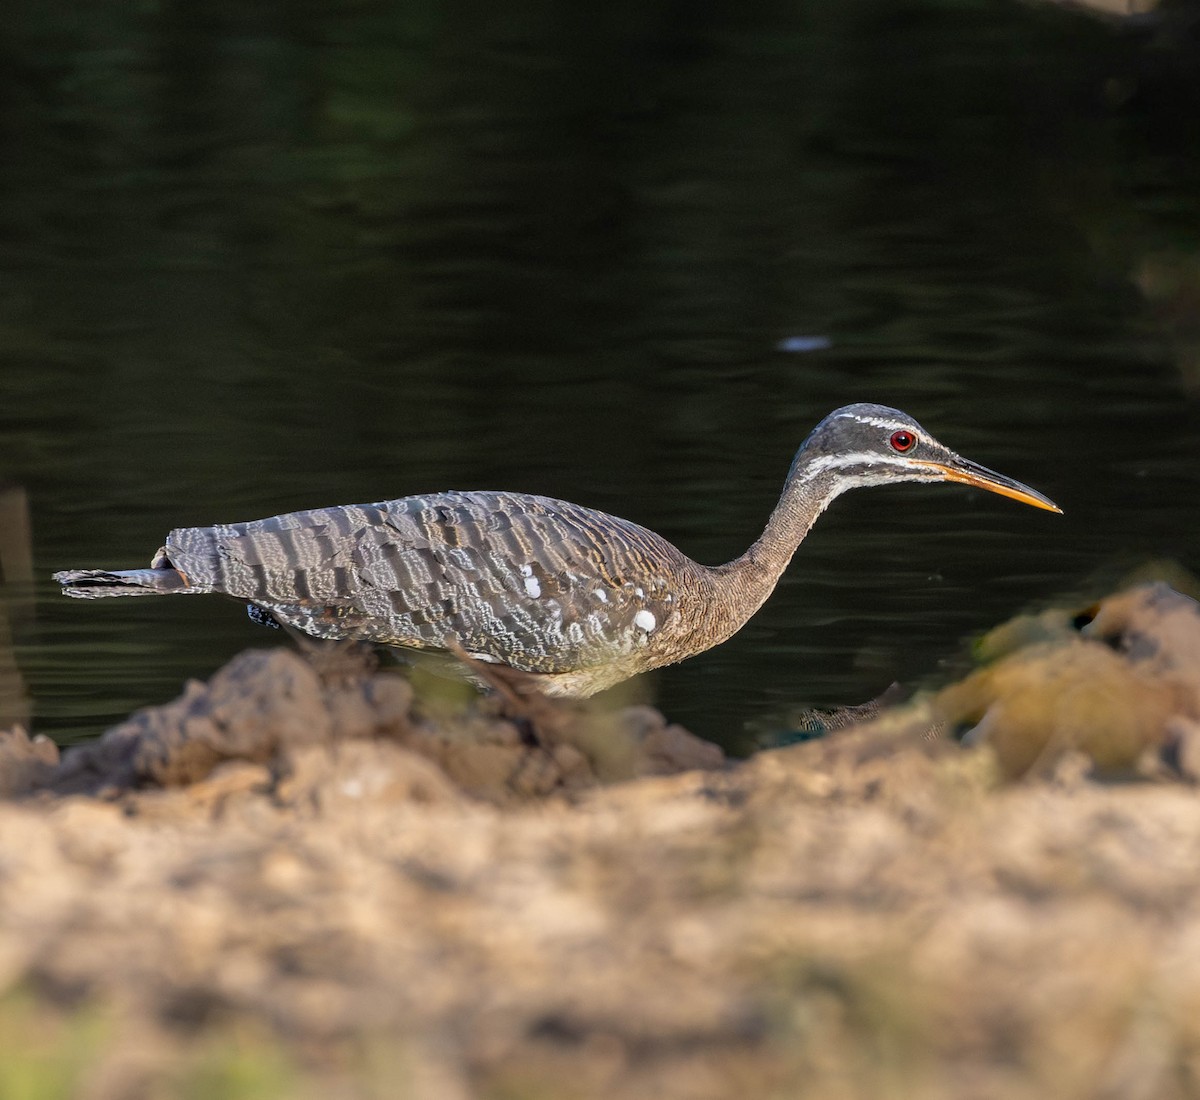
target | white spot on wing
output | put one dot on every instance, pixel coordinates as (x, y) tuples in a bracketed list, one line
[(532, 586), (645, 620), (601, 595)]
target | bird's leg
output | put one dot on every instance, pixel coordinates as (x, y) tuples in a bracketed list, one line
[(540, 720), (503, 680), (341, 661)]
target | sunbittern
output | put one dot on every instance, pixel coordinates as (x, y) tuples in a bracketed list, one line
[(578, 599)]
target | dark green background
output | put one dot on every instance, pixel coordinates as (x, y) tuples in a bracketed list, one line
[(262, 256)]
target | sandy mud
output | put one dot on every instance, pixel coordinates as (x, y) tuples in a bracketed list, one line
[(358, 899)]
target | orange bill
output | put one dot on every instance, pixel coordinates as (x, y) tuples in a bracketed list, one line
[(971, 473)]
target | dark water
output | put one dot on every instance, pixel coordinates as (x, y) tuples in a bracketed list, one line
[(260, 257)]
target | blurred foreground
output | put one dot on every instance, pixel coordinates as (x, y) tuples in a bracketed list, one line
[(289, 885)]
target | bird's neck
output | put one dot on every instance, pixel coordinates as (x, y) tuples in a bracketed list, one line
[(744, 584)]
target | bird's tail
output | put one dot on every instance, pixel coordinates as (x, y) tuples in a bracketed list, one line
[(93, 584)]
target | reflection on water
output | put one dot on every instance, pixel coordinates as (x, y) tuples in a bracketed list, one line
[(268, 258)]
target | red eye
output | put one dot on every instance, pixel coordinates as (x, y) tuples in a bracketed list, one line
[(903, 441)]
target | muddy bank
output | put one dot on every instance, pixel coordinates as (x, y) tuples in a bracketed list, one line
[(398, 906)]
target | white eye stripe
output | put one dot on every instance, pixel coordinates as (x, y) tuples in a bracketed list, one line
[(856, 458)]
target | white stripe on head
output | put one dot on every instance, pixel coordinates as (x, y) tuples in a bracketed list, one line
[(854, 458), (877, 421)]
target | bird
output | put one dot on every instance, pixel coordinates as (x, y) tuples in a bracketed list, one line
[(573, 598)]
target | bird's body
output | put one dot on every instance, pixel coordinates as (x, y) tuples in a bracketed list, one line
[(579, 599)]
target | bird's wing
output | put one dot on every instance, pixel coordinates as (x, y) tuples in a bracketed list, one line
[(535, 583)]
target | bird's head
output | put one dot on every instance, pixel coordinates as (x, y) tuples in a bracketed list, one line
[(875, 445)]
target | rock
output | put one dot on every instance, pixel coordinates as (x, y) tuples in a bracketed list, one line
[(342, 778), (260, 700), (1109, 690), (1039, 703), (1183, 735), (265, 706), (671, 748), (25, 762)]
